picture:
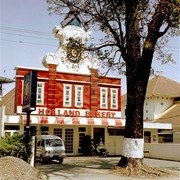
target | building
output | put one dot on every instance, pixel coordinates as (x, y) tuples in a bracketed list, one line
[(162, 105), (73, 99)]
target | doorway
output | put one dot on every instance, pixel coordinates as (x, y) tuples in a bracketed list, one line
[(99, 134)]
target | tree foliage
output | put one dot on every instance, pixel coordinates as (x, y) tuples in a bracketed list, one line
[(124, 24), (132, 31)]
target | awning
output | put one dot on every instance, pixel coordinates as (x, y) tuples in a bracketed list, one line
[(73, 121), (88, 121), (57, 120)]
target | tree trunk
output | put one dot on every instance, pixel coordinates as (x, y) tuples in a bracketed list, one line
[(137, 72), (137, 80)]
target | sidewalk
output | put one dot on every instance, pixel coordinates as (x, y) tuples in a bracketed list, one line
[(95, 168), (172, 165)]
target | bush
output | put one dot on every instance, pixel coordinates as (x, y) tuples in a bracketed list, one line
[(13, 146)]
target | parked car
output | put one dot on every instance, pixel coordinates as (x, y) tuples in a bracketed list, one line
[(50, 147)]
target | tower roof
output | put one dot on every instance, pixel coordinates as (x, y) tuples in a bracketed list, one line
[(73, 18)]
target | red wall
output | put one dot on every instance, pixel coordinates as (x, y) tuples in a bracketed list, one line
[(54, 87)]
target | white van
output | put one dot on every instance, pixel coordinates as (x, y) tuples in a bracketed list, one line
[(50, 147)]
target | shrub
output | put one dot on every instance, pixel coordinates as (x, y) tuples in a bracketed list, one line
[(13, 146)]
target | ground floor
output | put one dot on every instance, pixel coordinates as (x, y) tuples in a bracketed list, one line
[(73, 130)]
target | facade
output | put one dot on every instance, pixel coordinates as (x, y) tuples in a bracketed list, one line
[(72, 99), (71, 105), (162, 105)]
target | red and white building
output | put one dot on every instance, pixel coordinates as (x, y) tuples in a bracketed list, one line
[(73, 100), (72, 105)]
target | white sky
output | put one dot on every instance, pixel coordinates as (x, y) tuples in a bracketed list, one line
[(26, 37)]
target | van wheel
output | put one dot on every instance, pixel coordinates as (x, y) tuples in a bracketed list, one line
[(60, 160), (41, 159)]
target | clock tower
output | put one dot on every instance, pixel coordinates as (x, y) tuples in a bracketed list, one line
[(71, 55)]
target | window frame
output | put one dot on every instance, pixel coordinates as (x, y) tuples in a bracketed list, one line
[(42, 93), (116, 98), (101, 97), (64, 95), (77, 96)]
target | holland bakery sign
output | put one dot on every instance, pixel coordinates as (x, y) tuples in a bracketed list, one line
[(76, 113)]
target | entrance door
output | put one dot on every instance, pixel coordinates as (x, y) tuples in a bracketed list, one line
[(99, 134), (82, 133), (69, 136)]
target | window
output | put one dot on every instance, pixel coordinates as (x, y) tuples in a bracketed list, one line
[(82, 129), (115, 132), (40, 93), (78, 96), (58, 132), (44, 130), (103, 98), (67, 95), (147, 136), (114, 98), (11, 127)]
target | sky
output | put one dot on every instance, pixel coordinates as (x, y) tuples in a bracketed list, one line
[(26, 37)]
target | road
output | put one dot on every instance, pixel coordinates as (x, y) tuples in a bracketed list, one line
[(95, 168)]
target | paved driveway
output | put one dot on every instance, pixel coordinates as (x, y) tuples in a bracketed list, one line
[(95, 168)]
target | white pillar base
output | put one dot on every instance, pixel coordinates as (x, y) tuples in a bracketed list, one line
[(133, 148)]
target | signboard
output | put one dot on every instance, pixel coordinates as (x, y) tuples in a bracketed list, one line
[(29, 92), (77, 113)]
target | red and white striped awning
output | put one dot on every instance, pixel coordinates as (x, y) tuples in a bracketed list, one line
[(73, 121), (56, 120)]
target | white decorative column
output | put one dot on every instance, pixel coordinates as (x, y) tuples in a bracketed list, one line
[(2, 120)]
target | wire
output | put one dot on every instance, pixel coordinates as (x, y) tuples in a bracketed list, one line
[(25, 30), (23, 42), (22, 35)]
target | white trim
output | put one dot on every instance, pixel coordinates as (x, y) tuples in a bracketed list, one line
[(30, 68), (64, 95), (116, 98), (107, 84), (153, 125), (81, 95), (2, 120), (133, 148), (42, 93), (101, 98)]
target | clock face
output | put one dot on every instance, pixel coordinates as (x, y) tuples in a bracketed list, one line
[(74, 50)]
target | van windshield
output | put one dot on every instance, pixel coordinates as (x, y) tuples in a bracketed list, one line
[(54, 142)]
